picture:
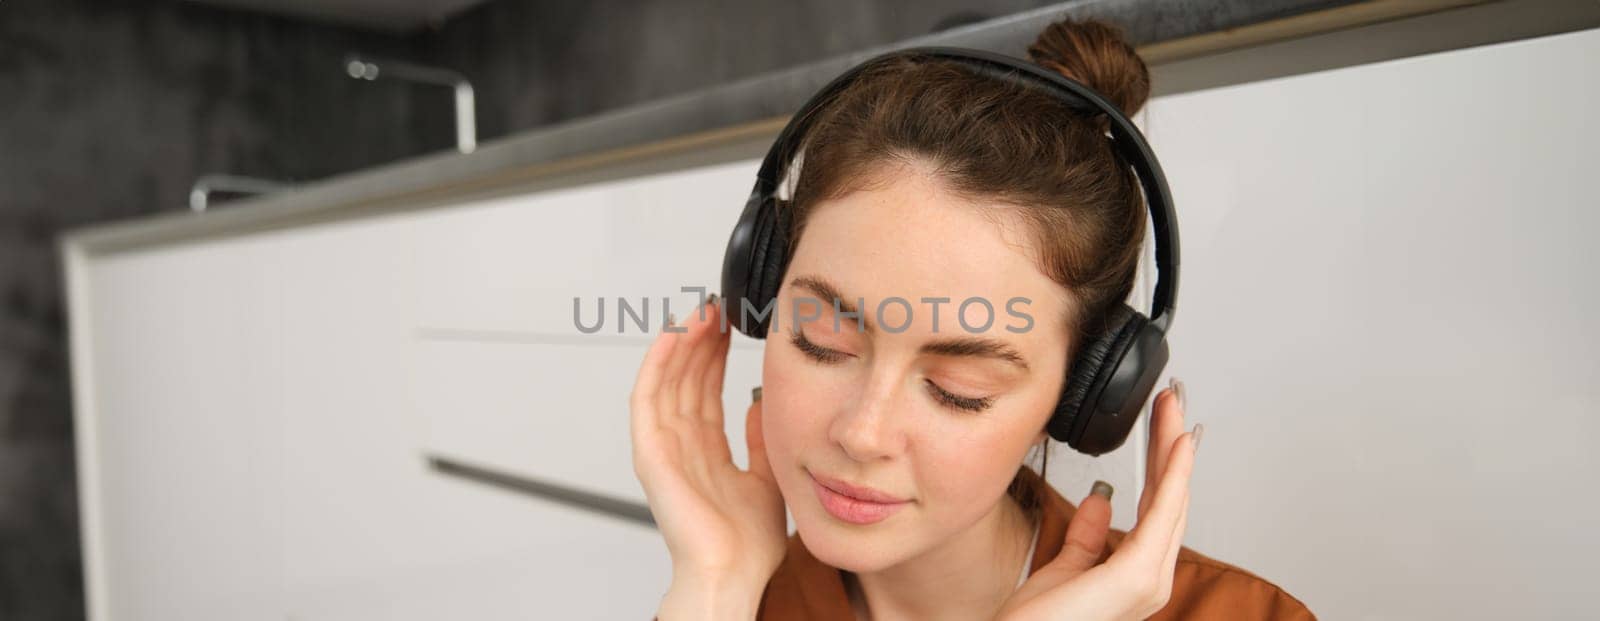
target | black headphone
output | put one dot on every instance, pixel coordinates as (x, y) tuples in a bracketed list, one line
[(1112, 374)]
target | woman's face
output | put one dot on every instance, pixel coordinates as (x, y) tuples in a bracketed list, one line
[(940, 417)]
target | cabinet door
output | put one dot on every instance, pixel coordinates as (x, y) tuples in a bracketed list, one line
[(181, 450), (1384, 325), (504, 377)]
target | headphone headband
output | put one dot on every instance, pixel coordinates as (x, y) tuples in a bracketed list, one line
[(1127, 140)]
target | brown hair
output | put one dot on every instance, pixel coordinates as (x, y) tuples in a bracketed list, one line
[(1004, 142)]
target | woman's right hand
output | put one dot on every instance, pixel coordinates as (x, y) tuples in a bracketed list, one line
[(724, 527)]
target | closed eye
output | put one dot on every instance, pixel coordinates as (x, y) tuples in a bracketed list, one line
[(969, 404), (828, 356), (814, 351)]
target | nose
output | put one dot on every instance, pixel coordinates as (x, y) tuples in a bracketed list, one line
[(871, 429)]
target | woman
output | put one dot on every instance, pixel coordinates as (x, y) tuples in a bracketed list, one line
[(901, 459)]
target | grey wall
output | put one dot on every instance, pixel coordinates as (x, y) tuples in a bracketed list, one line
[(536, 63), (109, 110), (541, 62)]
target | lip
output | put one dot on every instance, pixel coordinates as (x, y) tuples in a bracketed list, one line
[(853, 503)]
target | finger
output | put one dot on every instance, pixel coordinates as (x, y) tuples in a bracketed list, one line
[(1152, 536), (754, 442), (711, 393), (705, 446), (1170, 562), (644, 417), (648, 381), (1166, 424), (672, 375), (1183, 517), (714, 373), (1086, 532), (703, 334)]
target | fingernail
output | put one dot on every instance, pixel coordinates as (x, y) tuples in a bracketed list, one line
[(1199, 430), (755, 394), (715, 301), (1102, 489), (671, 321), (1177, 390)]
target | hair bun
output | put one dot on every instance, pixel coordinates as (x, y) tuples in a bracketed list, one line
[(1095, 53)]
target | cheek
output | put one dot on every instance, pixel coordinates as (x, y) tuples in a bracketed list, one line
[(959, 467), (792, 401), (799, 394)]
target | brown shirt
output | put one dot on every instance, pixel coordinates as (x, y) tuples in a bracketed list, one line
[(1202, 588)]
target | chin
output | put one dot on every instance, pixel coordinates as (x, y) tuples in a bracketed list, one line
[(836, 545)]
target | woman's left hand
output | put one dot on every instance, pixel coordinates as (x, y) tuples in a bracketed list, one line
[(1136, 580)]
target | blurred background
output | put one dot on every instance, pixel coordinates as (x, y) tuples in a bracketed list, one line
[(221, 219)]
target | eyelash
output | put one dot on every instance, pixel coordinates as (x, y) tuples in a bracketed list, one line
[(828, 356), (812, 351), (969, 404)]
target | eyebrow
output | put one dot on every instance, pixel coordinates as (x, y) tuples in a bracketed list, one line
[(965, 346)]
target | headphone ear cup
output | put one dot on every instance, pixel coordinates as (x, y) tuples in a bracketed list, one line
[(739, 261), (1095, 362), (770, 249)]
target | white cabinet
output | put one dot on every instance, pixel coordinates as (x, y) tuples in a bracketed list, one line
[(261, 451), (1384, 323), (503, 375)]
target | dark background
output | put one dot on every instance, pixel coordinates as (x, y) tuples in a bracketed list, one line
[(110, 110)]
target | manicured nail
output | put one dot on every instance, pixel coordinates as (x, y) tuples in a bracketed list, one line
[(1102, 489), (755, 394), (711, 300), (1177, 390), (1199, 430)]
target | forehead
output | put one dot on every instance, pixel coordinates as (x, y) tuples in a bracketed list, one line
[(907, 235)]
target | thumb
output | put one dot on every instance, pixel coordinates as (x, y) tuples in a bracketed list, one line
[(1086, 533), (754, 442)]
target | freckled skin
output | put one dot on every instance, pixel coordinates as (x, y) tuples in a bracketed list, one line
[(870, 418)]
